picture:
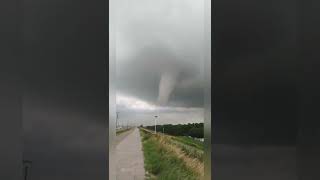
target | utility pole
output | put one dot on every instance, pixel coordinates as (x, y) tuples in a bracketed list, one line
[(117, 120), (155, 124)]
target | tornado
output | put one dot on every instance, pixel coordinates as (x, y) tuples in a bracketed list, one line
[(167, 84)]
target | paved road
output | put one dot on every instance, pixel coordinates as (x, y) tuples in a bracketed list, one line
[(123, 135), (129, 158)]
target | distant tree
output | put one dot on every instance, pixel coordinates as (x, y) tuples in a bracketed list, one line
[(190, 129), (196, 132)]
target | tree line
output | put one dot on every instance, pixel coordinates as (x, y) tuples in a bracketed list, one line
[(192, 129)]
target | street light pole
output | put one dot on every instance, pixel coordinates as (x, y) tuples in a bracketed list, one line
[(155, 124), (127, 123), (117, 120)]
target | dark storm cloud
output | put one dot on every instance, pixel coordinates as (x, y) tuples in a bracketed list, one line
[(65, 95), (255, 96), (141, 76), (159, 51), (255, 72)]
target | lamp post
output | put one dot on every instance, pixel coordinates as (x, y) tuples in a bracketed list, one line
[(27, 166), (117, 120), (155, 124), (127, 123)]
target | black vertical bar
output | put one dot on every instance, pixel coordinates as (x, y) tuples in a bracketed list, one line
[(26, 173)]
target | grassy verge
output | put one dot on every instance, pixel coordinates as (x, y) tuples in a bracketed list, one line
[(122, 131), (189, 150), (189, 141), (161, 163)]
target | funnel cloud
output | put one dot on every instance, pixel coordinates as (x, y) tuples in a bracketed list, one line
[(166, 86)]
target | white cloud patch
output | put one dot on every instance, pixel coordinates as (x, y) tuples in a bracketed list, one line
[(135, 111), (130, 103)]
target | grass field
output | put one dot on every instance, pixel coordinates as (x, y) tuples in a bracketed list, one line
[(189, 141), (170, 158)]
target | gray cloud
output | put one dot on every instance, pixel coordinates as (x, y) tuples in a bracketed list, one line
[(159, 51)]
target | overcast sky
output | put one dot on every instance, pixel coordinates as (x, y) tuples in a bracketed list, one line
[(159, 48)]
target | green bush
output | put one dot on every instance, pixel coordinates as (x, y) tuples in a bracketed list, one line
[(181, 129)]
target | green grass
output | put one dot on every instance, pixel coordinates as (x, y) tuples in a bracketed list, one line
[(122, 131), (161, 164), (189, 150), (189, 141)]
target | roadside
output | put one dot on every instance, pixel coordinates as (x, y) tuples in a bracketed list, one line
[(122, 131), (169, 157), (123, 134)]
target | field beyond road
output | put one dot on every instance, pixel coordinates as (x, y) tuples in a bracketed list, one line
[(172, 157)]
